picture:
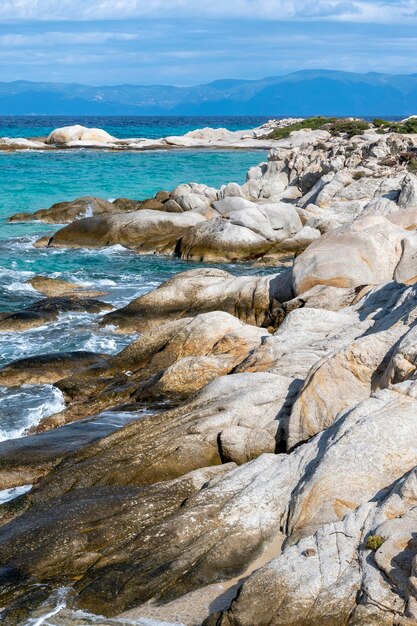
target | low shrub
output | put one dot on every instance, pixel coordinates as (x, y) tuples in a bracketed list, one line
[(374, 542)]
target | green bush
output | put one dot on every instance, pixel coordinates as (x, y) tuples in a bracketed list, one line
[(412, 166), (358, 175), (314, 123), (334, 125), (348, 127), (374, 542), (342, 126)]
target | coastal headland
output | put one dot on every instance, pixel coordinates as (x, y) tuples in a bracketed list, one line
[(271, 478)]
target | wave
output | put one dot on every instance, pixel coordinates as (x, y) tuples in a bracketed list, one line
[(23, 407)]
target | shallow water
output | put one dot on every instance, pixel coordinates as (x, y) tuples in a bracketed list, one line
[(34, 180)]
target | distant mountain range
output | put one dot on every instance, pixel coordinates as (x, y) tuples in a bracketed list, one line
[(305, 93)]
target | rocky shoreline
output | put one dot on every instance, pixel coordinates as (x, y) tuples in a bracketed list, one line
[(272, 481), (78, 137)]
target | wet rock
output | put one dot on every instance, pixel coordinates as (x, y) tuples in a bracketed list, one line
[(25, 460), (56, 287), (169, 363), (48, 310), (234, 418), (47, 368)]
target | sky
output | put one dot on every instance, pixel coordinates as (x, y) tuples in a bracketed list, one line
[(186, 42)]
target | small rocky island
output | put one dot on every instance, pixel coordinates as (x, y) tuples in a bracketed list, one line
[(273, 481)]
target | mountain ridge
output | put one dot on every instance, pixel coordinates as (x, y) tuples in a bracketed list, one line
[(302, 93)]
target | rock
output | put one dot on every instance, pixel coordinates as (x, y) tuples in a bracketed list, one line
[(333, 575), (47, 368), (362, 253), (144, 231), (172, 362), (357, 368), (70, 134), (25, 460), (245, 231), (65, 212), (234, 418), (255, 300), (56, 287), (48, 310), (169, 363)]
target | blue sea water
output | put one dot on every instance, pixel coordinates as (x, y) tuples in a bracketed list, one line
[(34, 180)]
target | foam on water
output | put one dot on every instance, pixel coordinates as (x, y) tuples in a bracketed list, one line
[(14, 492), (56, 611), (25, 406)]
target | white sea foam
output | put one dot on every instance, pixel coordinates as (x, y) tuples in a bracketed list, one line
[(10, 494), (23, 407)]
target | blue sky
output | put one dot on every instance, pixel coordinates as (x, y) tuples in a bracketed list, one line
[(186, 42)]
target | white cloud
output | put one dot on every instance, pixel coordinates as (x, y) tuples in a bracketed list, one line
[(53, 38), (352, 10)]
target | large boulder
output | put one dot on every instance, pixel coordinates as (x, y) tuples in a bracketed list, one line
[(255, 299), (71, 134), (143, 231), (362, 253), (247, 231), (168, 363)]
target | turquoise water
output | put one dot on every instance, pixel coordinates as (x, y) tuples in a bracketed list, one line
[(34, 180), (123, 126)]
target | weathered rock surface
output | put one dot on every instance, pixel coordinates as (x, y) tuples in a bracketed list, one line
[(247, 231), (332, 577), (255, 300), (77, 133), (281, 457), (144, 231), (167, 364), (365, 252)]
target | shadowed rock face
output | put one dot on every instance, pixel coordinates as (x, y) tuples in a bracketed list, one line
[(48, 310)]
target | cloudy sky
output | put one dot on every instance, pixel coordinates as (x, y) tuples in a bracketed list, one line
[(185, 42)]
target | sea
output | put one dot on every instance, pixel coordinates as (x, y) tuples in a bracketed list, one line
[(32, 180)]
